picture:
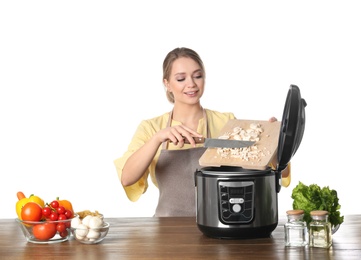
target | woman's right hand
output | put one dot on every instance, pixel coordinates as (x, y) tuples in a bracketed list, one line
[(177, 134)]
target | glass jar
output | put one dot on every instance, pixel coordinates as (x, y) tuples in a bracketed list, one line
[(320, 232), (295, 229)]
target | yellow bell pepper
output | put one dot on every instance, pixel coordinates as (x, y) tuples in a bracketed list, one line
[(22, 200)]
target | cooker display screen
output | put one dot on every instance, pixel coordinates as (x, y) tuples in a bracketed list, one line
[(236, 191)]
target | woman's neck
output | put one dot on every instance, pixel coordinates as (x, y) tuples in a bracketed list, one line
[(188, 115)]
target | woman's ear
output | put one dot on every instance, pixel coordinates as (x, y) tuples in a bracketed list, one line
[(166, 84)]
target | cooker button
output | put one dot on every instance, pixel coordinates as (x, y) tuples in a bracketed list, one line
[(226, 214), (225, 205), (236, 200), (236, 208)]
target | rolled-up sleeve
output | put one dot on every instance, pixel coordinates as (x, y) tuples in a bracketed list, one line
[(141, 136), (146, 129)]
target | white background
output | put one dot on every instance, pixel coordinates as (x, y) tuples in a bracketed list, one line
[(77, 77)]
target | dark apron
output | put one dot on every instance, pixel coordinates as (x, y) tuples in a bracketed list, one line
[(175, 174)]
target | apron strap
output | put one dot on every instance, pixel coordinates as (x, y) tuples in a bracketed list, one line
[(165, 144)]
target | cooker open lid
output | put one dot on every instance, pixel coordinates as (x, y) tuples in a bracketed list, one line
[(292, 127)]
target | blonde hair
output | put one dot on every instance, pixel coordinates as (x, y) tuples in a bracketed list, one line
[(174, 55)]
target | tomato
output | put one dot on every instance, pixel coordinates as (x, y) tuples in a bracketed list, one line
[(44, 231), (62, 217), (53, 216), (68, 213), (66, 204), (31, 212), (60, 210), (68, 224), (64, 233), (60, 227), (22, 200), (46, 211), (54, 204)]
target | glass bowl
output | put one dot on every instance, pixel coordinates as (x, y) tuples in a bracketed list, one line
[(87, 235), (45, 232)]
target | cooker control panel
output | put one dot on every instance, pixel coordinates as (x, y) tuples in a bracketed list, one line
[(236, 201)]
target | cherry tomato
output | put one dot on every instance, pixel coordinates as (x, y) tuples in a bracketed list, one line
[(44, 231), (54, 204), (60, 210), (60, 227), (46, 211), (62, 217), (54, 216), (68, 213), (31, 212), (64, 233), (66, 204)]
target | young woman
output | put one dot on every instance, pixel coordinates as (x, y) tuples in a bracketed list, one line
[(158, 146)]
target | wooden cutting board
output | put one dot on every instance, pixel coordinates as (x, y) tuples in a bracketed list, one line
[(267, 146)]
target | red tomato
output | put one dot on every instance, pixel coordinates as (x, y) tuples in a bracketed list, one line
[(53, 216), (64, 233), (68, 213), (46, 211), (54, 204), (60, 210), (60, 227), (31, 212), (44, 231), (62, 217)]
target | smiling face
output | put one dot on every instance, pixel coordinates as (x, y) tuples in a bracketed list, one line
[(186, 81)]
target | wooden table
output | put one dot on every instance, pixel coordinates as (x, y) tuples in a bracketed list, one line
[(176, 238)]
